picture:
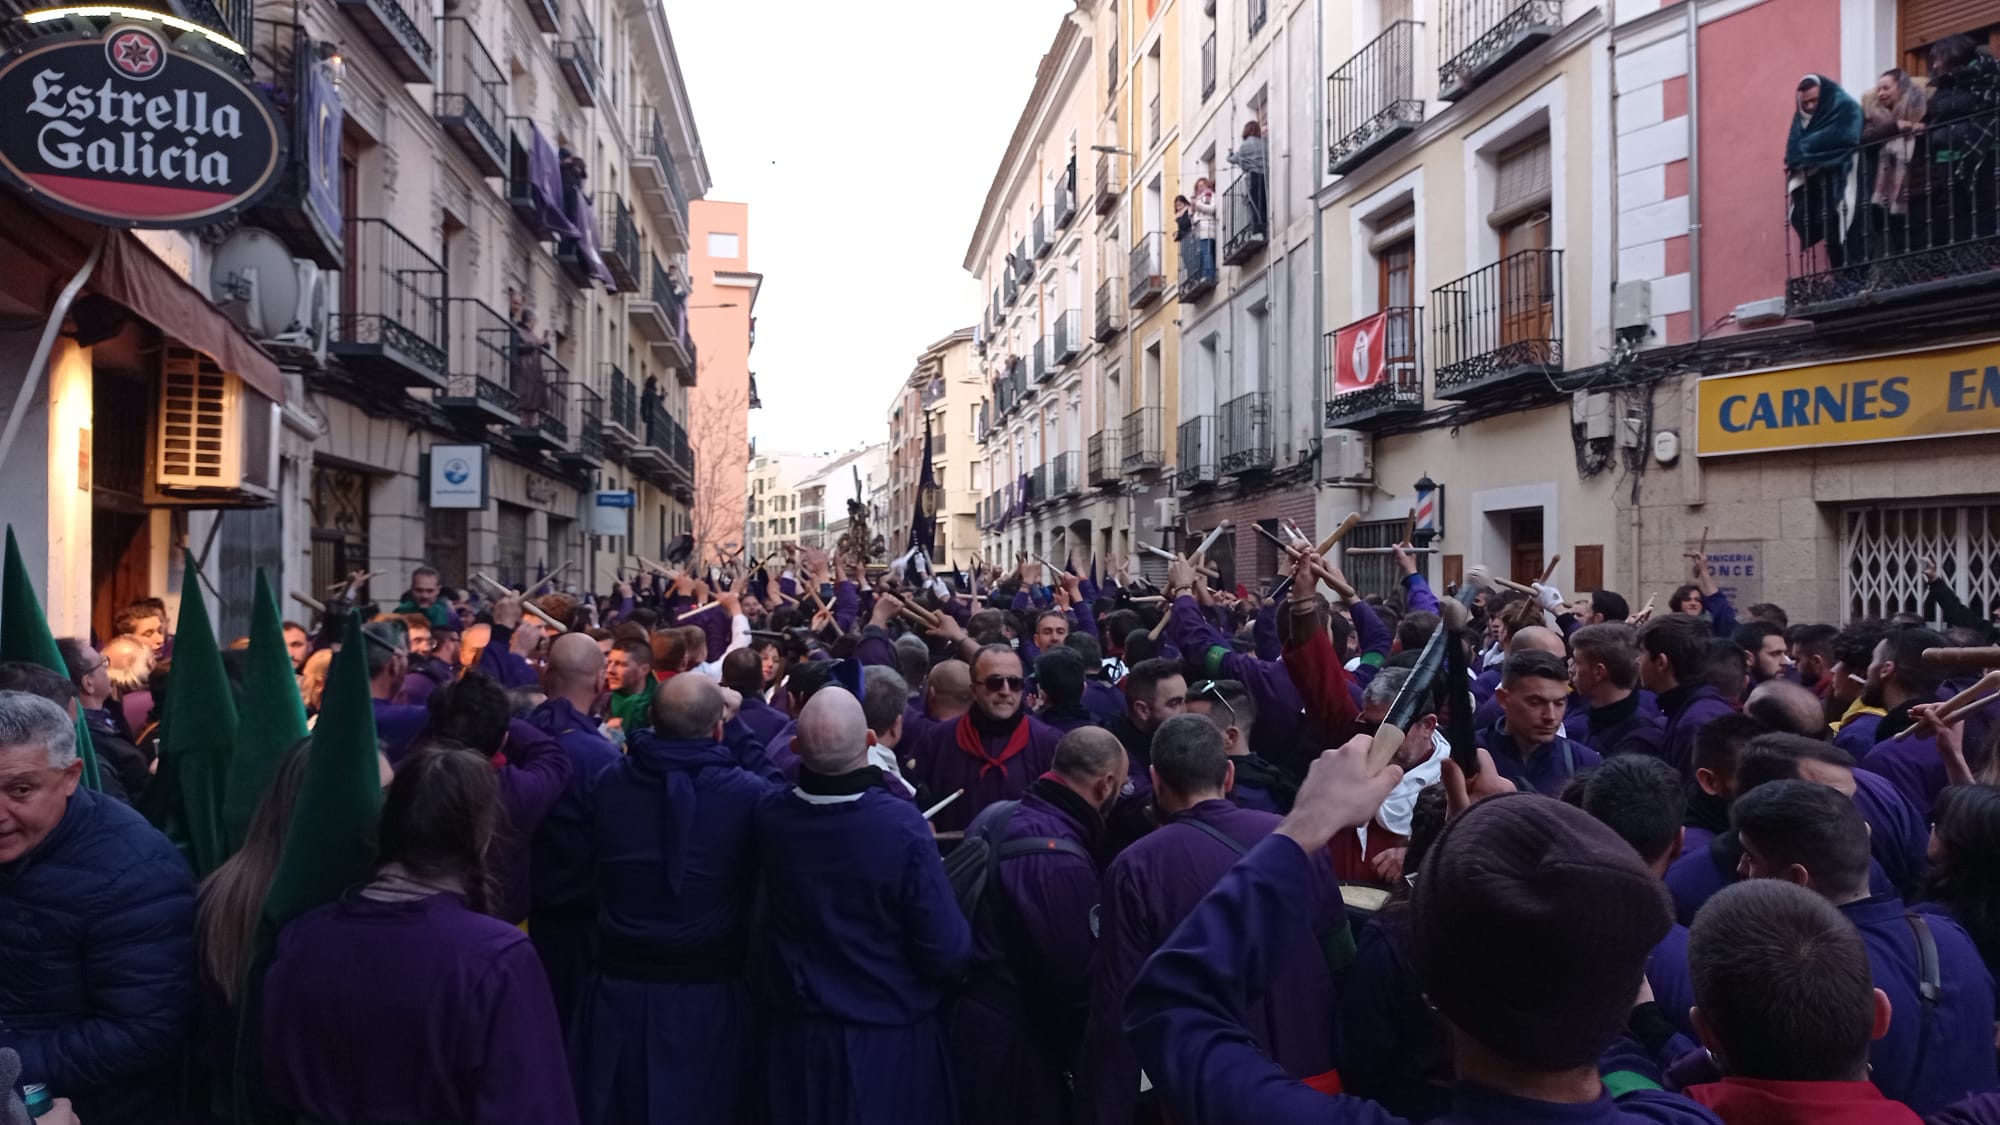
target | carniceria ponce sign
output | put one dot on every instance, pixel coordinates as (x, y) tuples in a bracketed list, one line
[(133, 118)]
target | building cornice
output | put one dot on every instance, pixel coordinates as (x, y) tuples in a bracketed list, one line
[(1057, 73)]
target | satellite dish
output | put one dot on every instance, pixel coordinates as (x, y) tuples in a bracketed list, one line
[(267, 308)]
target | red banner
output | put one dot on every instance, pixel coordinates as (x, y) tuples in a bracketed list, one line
[(1358, 352)]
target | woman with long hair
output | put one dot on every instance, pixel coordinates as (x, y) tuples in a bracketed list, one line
[(405, 1000), (1964, 880), (1892, 115)]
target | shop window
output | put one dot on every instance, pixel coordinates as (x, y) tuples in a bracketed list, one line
[(339, 524), (444, 543), (512, 561)]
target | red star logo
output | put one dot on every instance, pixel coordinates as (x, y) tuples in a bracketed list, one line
[(136, 53)]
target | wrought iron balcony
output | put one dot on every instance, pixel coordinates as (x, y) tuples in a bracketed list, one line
[(1010, 291), (1153, 121), (401, 31), (1063, 477), (649, 455), (542, 400), (1391, 343), (1037, 486), (1140, 441), (471, 97), (482, 352), (1208, 66), (1245, 218), (1044, 233), (622, 429), (586, 429), (1942, 242), (1259, 11), (1499, 324), (1023, 263), (1479, 38), (1198, 274), (1110, 309), (1102, 458), (1068, 337), (392, 320), (1038, 363), (1196, 454), (1147, 270), (1064, 205), (652, 305), (1246, 434), (618, 240), (304, 206), (658, 179), (1372, 100), (576, 57), (545, 15), (1109, 184)]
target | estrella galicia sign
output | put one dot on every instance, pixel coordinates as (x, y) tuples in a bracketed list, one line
[(128, 128)]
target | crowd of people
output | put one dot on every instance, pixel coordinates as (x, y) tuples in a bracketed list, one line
[(809, 842)]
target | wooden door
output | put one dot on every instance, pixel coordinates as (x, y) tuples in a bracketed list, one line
[(1396, 276), (1525, 541), (1527, 286)]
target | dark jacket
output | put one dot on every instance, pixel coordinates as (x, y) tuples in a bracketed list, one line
[(97, 961)]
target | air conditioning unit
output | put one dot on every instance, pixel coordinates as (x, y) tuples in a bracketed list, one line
[(1345, 455), (284, 303), (215, 439)]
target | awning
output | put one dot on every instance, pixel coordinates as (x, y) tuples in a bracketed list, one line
[(133, 276)]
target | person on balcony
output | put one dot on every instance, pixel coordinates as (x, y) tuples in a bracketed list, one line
[(1252, 157), (1204, 222), (1892, 114), (1958, 130), (1818, 153), (531, 389), (1184, 235)]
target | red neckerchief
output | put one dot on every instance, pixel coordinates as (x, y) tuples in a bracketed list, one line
[(970, 742)]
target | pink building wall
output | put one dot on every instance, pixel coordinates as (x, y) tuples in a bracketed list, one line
[(719, 402)]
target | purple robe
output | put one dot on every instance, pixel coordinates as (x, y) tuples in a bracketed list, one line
[(500, 661), (411, 1011), (861, 937), (1929, 1062), (1689, 708), (1857, 734), (1910, 764), (1103, 700), (1013, 1026), (531, 782), (1544, 769), (664, 1033), (943, 766), (1672, 982), (764, 721), (1899, 832), (562, 901), (1187, 1016), (397, 726), (1277, 735), (1149, 888)]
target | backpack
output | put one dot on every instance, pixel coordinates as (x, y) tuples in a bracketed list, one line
[(972, 866)]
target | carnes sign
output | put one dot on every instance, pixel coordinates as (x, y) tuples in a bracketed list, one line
[(125, 128)]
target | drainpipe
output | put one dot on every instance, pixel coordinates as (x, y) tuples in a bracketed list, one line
[(32, 378), (1694, 169), (1318, 244)]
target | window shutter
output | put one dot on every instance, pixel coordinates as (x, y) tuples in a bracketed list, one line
[(1523, 179), (1919, 23)]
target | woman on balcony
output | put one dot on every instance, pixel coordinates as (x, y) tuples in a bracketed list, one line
[(1818, 154), (1958, 128), (1204, 223), (1892, 114), (1252, 156)]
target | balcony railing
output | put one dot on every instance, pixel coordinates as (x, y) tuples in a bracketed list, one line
[(654, 170), (622, 429), (1068, 337), (1110, 309), (391, 323), (1139, 440), (479, 387), (618, 240), (1374, 369), (1208, 66), (1038, 363), (1246, 434), (1260, 10), (1245, 218), (1372, 100), (541, 388), (576, 57), (1024, 263), (1198, 271), (471, 97), (1110, 183), (1010, 289), (1153, 121), (400, 30), (1038, 485), (1147, 269), (1499, 323), (1479, 38), (1196, 454), (1064, 205), (586, 429), (546, 15), (1102, 458), (303, 206), (1063, 477), (1045, 233), (1938, 236)]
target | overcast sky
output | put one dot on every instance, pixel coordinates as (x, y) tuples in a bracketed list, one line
[(863, 137)]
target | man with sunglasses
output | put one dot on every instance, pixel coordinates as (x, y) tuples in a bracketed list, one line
[(993, 751), (1229, 705)]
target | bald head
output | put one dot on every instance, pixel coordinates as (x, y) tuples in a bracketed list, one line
[(1537, 638), (688, 707), (833, 734), (950, 688), (1781, 705), (1088, 753), (576, 665)]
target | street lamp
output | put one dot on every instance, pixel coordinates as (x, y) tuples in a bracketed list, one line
[(1429, 521)]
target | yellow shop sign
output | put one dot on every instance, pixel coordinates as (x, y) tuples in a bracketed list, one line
[(1920, 394)]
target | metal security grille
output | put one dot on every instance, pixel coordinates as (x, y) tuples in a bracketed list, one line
[(1373, 574), (1882, 552)]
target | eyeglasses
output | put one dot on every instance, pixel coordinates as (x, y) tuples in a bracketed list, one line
[(1003, 683), (1210, 689)]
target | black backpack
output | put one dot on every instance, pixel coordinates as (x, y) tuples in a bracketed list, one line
[(972, 866)]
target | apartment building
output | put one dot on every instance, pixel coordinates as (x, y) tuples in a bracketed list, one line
[(1466, 266), (943, 398), (858, 476), (1821, 395), (772, 507), (1243, 448), (722, 308)]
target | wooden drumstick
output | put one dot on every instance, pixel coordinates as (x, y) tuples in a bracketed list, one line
[(1550, 572), (1352, 521)]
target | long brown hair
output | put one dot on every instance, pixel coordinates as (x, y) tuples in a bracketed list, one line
[(232, 897), (441, 816)]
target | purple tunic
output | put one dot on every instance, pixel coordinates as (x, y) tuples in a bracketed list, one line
[(398, 725), (1186, 1015), (1927, 1063), (562, 901), (1012, 1027), (664, 1033), (765, 721), (454, 1022), (1277, 733), (943, 766), (1857, 734), (862, 935), (1911, 764), (1150, 887), (533, 780), (1672, 982), (1899, 834), (1544, 769), (1689, 708)]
